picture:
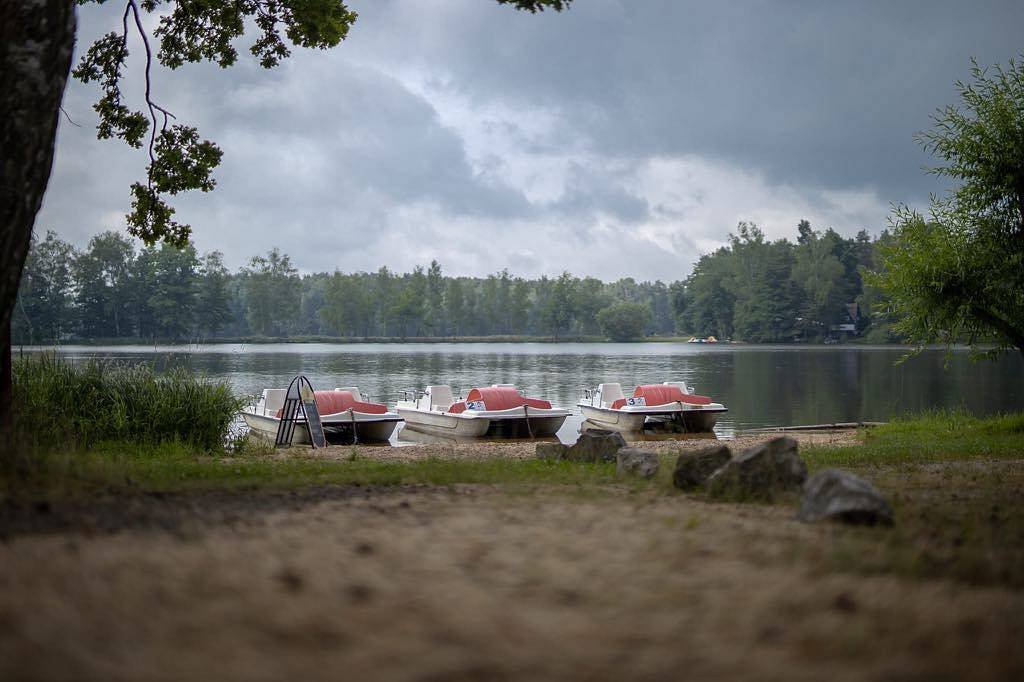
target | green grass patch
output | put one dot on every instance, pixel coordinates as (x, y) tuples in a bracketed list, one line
[(940, 436), (176, 466), (58, 404)]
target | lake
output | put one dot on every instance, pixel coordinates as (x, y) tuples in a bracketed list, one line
[(763, 386)]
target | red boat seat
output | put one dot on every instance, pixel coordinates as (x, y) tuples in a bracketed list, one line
[(499, 398), (659, 394), (333, 402)]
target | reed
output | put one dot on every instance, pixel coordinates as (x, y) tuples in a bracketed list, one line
[(59, 404)]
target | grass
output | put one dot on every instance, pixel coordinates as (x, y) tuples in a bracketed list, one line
[(178, 467), (58, 404), (940, 436)]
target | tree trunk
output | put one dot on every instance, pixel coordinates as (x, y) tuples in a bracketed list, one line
[(36, 42)]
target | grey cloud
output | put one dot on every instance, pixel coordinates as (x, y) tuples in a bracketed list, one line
[(593, 190), (824, 93)]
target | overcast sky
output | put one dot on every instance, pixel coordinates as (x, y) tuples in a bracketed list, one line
[(620, 138)]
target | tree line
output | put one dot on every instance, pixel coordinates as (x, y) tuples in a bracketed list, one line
[(765, 291), (751, 289)]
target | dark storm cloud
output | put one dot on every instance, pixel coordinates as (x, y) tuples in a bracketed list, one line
[(826, 93), (616, 138)]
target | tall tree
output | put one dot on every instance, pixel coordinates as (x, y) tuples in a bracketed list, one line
[(273, 294), (591, 298), (820, 276), (408, 307), (708, 306), (104, 295), (45, 295), (176, 293), (435, 322), (455, 301), (213, 297), (959, 273), (36, 41), (558, 310)]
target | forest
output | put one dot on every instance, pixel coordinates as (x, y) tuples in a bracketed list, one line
[(751, 290)]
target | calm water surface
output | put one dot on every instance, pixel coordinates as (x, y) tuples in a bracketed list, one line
[(763, 386)]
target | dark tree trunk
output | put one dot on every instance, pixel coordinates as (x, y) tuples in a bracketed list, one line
[(36, 41)]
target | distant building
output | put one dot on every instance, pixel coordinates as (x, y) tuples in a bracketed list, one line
[(848, 326)]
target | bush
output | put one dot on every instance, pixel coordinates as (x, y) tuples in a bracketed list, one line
[(624, 321), (57, 403)]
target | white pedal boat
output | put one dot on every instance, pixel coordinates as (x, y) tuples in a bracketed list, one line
[(671, 402), (346, 418), (498, 411)]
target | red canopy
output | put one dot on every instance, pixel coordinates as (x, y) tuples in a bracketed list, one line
[(499, 398), (333, 402), (659, 394)]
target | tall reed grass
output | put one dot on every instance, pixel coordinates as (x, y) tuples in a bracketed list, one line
[(60, 404)]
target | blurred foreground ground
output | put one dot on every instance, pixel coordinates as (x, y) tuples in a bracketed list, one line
[(516, 583)]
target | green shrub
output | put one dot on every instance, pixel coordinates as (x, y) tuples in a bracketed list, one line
[(61, 404)]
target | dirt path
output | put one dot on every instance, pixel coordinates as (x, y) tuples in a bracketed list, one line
[(526, 449), (473, 583)]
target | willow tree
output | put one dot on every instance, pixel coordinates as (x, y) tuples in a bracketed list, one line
[(957, 274), (36, 44)]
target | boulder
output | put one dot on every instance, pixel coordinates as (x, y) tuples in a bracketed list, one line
[(694, 468), (636, 462), (551, 451), (596, 445), (840, 496), (763, 472)]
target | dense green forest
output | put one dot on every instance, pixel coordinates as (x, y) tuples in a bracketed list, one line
[(750, 290)]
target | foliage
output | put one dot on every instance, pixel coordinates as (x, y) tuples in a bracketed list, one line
[(557, 309), (45, 297), (624, 321), (271, 293), (58, 404), (959, 273), (762, 291), (117, 291), (102, 273)]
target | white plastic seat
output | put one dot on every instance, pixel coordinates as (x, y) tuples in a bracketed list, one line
[(610, 393), (681, 385), (273, 400), (353, 390), (440, 397)]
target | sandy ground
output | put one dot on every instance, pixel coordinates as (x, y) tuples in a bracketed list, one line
[(474, 583), (526, 449)]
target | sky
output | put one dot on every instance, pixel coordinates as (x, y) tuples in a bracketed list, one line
[(621, 138)]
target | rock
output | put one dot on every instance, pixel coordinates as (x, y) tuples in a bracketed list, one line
[(596, 445), (840, 496), (551, 451), (694, 468), (762, 472), (636, 462)]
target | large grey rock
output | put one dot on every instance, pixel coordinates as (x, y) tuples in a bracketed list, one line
[(840, 496), (693, 468), (636, 462), (763, 472), (551, 451), (596, 445)]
